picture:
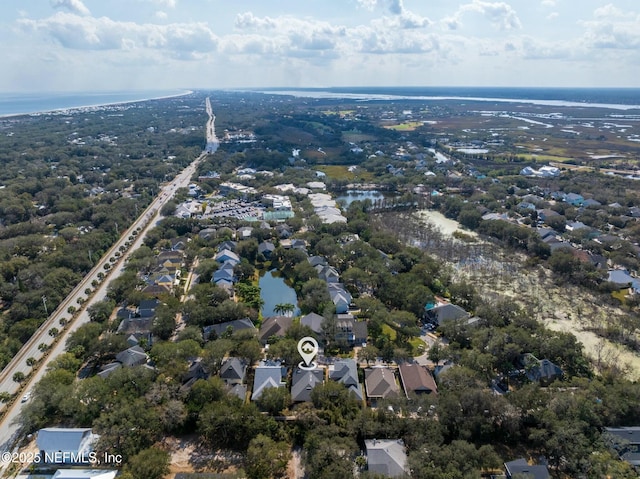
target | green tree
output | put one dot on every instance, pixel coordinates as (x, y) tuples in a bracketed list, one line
[(267, 459), (101, 310), (151, 463)]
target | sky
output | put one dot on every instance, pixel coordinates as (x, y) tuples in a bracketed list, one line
[(90, 45)]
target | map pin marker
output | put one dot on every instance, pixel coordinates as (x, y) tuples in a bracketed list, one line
[(308, 349)]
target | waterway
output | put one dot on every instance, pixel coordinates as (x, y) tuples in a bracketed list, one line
[(274, 290)]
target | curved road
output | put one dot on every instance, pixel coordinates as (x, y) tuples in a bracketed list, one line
[(9, 430)]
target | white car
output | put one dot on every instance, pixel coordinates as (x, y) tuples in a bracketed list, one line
[(26, 397)]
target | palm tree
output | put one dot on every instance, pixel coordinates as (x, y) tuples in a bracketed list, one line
[(285, 309)]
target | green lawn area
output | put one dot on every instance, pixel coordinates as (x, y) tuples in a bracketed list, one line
[(389, 331), (407, 126), (418, 346), (340, 172)]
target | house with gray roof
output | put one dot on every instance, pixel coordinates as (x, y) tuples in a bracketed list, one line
[(340, 296), (267, 375), (266, 249), (59, 445), (387, 457), (520, 468), (226, 255), (541, 371), (625, 441), (233, 371), (313, 321), (303, 381), (380, 383), (214, 331), (345, 371), (134, 356), (439, 313)]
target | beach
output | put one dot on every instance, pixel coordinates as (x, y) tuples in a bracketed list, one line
[(19, 104)]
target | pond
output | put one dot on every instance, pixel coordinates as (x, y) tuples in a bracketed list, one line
[(274, 290), (359, 195)]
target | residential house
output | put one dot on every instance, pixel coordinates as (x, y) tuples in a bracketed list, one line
[(233, 371), (540, 371), (267, 375), (244, 233), (224, 273), (591, 202), (520, 468), (147, 308), (156, 290), (328, 273), (266, 249), (622, 279), (625, 441), (345, 371), (214, 331), (85, 474), (439, 313), (303, 381), (340, 296), (208, 234), (313, 321), (317, 261), (228, 245), (59, 445), (274, 326), (546, 213), (416, 379), (134, 356), (227, 256), (574, 199), (380, 383), (387, 457), (283, 231), (299, 244), (349, 330)]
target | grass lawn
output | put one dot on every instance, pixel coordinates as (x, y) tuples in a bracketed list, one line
[(418, 346), (340, 172), (389, 331), (407, 126)]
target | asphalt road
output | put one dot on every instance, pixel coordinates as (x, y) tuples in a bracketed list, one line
[(9, 429)]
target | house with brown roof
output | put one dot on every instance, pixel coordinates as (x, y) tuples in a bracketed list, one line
[(380, 383), (416, 379), (274, 326)]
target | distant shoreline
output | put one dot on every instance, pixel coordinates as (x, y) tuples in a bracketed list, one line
[(95, 105), (365, 96)]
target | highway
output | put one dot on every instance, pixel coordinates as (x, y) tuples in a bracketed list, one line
[(9, 430)]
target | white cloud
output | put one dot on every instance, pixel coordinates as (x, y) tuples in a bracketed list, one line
[(161, 15), (549, 3), (89, 33), (612, 29), (247, 20), (608, 11), (553, 16), (500, 14), (74, 6), (395, 7)]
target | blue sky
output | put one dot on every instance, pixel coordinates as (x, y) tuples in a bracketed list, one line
[(81, 45)]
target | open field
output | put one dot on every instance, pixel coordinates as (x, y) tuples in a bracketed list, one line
[(341, 172), (406, 126)]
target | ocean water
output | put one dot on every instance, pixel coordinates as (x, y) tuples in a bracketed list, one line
[(23, 103), (613, 98)]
